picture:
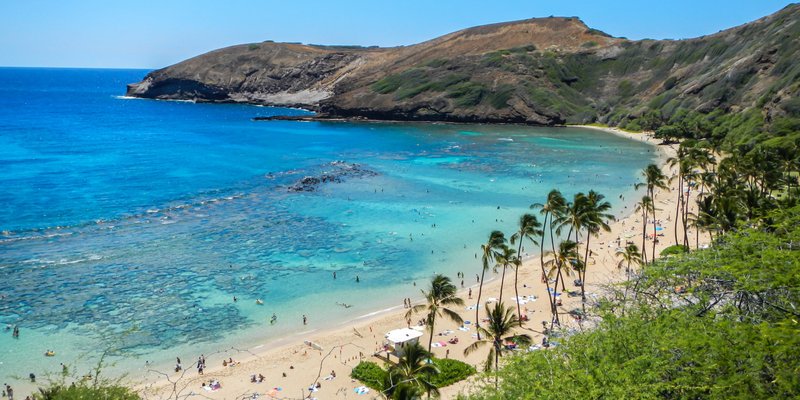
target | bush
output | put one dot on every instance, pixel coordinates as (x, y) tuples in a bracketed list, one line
[(500, 97), (466, 93), (450, 372), (675, 249), (370, 374), (81, 392)]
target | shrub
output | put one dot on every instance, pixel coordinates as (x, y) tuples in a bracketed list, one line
[(253, 46), (450, 372), (78, 392), (675, 249), (370, 374), (499, 98), (466, 93)]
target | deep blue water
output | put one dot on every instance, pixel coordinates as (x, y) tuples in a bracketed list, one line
[(146, 217)]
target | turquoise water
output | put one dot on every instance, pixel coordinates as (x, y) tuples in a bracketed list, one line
[(131, 224)]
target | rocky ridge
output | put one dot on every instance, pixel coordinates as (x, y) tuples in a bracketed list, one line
[(537, 71)]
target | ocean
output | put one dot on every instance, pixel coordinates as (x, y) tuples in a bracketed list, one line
[(128, 226)]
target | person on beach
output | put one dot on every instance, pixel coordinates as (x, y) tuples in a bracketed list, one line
[(470, 293), (305, 320)]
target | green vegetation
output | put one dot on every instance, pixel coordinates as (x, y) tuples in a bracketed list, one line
[(499, 97), (417, 80), (450, 372), (467, 94), (370, 374), (674, 250), (732, 332), (392, 381), (84, 392), (713, 323), (253, 46)]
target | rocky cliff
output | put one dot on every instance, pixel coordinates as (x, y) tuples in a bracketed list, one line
[(538, 71)]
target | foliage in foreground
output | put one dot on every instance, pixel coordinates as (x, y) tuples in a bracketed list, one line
[(450, 372), (719, 323), (85, 392)]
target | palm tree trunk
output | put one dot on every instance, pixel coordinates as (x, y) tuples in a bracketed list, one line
[(678, 205), (502, 281), (544, 275), (644, 233), (585, 266), (478, 308), (555, 318), (655, 233), (496, 366), (516, 274), (431, 319)]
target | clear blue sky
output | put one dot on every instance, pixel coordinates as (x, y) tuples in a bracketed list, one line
[(152, 34)]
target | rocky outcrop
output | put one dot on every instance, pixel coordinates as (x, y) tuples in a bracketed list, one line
[(336, 172), (540, 71)]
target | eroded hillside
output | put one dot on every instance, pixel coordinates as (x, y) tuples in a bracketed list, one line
[(539, 71)]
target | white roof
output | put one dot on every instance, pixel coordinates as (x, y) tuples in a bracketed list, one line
[(402, 335)]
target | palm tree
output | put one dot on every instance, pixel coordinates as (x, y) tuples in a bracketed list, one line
[(406, 391), (505, 257), (553, 208), (567, 254), (414, 368), (442, 293), (645, 205), (653, 178), (499, 331), (574, 218), (529, 228), (595, 215), (489, 252), (629, 255)]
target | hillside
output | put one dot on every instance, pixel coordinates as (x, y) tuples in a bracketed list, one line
[(537, 71)]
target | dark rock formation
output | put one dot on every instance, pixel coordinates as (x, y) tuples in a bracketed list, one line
[(336, 172)]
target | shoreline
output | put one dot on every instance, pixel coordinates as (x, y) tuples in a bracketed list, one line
[(361, 336)]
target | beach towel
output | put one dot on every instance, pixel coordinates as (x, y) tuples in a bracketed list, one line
[(464, 329), (361, 390)]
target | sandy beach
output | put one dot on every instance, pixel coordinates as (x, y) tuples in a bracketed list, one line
[(290, 366)]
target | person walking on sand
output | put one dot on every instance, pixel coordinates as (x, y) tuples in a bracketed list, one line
[(470, 293)]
